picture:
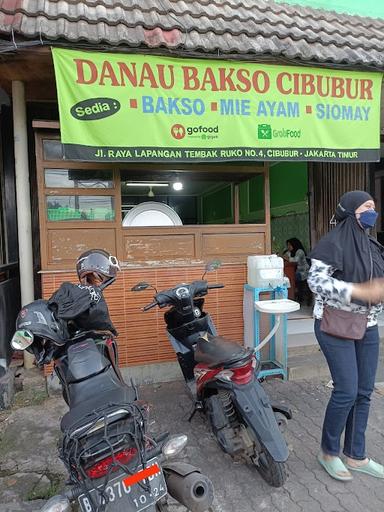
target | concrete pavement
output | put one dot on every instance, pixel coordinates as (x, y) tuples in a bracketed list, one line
[(29, 466)]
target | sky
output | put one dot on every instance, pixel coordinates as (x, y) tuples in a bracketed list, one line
[(372, 8)]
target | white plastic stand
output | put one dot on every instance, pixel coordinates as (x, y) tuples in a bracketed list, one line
[(277, 307)]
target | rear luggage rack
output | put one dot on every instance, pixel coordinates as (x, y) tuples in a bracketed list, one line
[(101, 435)]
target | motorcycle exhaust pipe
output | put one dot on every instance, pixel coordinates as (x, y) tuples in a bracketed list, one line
[(193, 490)]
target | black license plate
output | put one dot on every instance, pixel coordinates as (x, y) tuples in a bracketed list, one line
[(123, 498)]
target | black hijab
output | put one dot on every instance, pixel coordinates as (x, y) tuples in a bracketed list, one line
[(348, 248)]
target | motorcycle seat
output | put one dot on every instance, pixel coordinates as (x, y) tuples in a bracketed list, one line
[(80, 414), (218, 351)]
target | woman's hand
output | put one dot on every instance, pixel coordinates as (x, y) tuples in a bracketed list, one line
[(370, 291)]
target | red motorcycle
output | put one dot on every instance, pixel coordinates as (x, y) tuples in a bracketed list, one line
[(222, 378)]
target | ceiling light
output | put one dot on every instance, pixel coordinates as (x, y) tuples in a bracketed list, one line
[(177, 185), (146, 184), (150, 193)]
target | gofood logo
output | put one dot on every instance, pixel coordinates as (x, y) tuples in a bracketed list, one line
[(95, 108), (178, 131)]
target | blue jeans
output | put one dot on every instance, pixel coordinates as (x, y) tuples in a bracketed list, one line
[(353, 367)]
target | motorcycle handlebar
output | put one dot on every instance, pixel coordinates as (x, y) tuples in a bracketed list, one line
[(149, 306), (166, 298)]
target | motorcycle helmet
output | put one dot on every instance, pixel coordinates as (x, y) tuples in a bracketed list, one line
[(97, 262), (48, 332)]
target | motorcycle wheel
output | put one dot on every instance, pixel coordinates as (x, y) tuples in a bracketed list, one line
[(274, 473)]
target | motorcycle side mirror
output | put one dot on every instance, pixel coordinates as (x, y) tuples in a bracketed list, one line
[(22, 339), (212, 265), (139, 287)]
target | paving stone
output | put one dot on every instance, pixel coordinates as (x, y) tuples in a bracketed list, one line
[(284, 503), (238, 487), (296, 490), (323, 497), (350, 503)]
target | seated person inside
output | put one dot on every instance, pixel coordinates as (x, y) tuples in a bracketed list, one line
[(295, 253)]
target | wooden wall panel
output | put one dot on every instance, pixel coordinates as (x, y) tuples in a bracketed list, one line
[(142, 337), (180, 244), (65, 245), (154, 247), (233, 244)]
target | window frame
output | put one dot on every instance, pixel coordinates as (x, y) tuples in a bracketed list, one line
[(49, 130)]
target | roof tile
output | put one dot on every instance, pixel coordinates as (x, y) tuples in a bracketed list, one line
[(242, 27)]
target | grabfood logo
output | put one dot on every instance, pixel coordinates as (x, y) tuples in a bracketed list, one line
[(264, 131), (95, 108), (178, 131)]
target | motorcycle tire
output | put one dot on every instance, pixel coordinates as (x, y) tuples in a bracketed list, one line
[(274, 473)]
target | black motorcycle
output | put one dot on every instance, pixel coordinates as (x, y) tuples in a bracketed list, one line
[(114, 464), (222, 378)]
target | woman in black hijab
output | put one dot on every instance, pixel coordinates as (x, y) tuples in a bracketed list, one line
[(346, 274)]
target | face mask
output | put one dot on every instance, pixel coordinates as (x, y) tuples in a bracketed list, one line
[(368, 218)]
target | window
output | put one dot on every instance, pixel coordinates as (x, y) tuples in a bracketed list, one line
[(74, 178), (53, 149), (199, 201), (72, 194), (70, 208), (201, 198)]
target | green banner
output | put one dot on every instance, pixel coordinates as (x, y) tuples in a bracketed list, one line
[(134, 108)]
